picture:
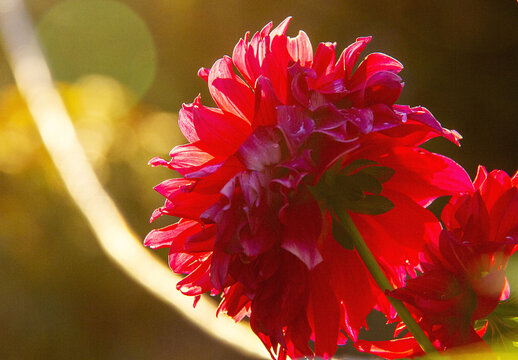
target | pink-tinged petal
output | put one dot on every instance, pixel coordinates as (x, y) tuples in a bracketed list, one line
[(239, 60), (330, 86), (235, 303), (159, 238), (172, 187), (196, 242), (325, 311), (424, 116), (384, 87), (260, 150), (300, 49), (218, 133), (301, 230), (186, 121), (298, 84), (178, 232), (254, 57), (256, 51), (265, 31), (266, 102), (296, 126), (506, 292), (280, 30), (182, 263), (204, 73), (188, 198), (350, 56), (412, 133), (190, 206), (481, 177), (374, 63), (230, 92), (223, 170), (197, 282), (157, 161), (385, 117), (189, 158)]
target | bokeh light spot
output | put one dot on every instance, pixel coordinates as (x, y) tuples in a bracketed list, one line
[(98, 37)]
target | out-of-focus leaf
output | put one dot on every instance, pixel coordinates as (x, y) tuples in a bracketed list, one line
[(371, 205), (502, 332)]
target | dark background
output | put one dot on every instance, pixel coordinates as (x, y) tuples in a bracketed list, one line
[(61, 296)]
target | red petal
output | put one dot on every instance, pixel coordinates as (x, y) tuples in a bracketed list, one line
[(219, 133), (351, 54), (481, 177), (296, 125), (397, 237), (324, 61), (504, 215), (280, 30), (325, 313), (177, 233), (239, 60), (275, 69), (182, 263), (372, 64), (186, 122), (173, 187), (301, 230), (423, 175), (204, 73), (300, 49), (197, 282), (424, 116), (190, 157), (496, 184), (383, 87), (265, 103), (230, 92), (201, 241)]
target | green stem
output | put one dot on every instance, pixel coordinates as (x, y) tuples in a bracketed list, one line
[(383, 282)]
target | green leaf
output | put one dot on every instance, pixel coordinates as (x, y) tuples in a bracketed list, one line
[(366, 182), (370, 205), (341, 235), (380, 173), (357, 165), (502, 330)]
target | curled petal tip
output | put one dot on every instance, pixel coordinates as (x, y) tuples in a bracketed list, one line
[(204, 73)]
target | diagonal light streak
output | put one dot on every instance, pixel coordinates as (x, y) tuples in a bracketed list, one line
[(35, 83)]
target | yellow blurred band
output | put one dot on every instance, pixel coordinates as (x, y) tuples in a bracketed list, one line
[(35, 83)]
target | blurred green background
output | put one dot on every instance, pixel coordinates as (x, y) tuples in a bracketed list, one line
[(124, 69)]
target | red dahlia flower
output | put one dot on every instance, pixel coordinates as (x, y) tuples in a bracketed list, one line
[(256, 228), (463, 278)]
